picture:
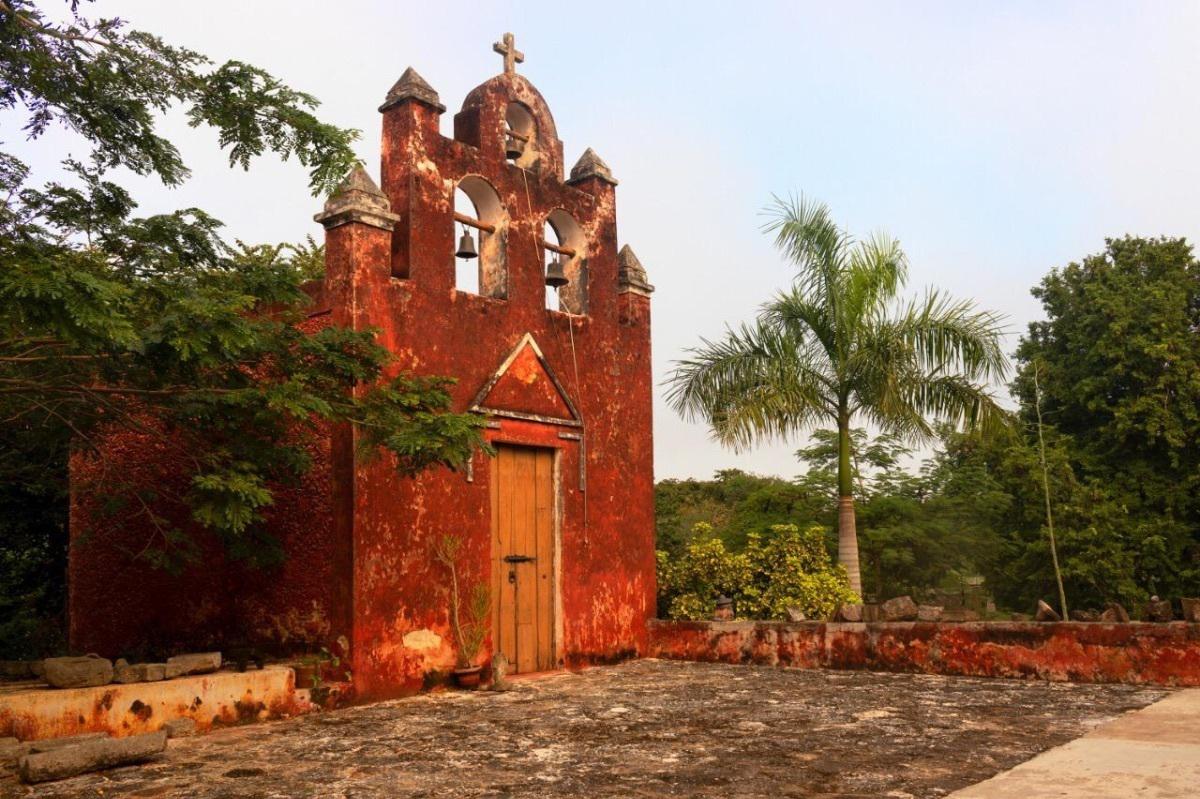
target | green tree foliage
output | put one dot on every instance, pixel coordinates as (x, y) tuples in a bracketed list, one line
[(839, 346), (109, 84), (786, 568), (153, 324), (1119, 360), (733, 504), (1001, 481)]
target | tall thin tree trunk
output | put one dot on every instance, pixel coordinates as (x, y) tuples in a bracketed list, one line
[(1037, 405), (848, 543), (847, 534)]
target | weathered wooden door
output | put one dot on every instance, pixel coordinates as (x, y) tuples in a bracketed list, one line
[(523, 585)]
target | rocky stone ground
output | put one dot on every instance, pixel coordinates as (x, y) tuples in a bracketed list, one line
[(644, 728)]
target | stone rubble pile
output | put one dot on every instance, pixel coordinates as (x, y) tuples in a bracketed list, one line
[(903, 608), (90, 671), (59, 758)]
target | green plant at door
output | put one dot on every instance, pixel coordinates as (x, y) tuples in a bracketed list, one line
[(469, 626)]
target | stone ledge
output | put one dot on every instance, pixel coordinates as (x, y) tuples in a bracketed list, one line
[(224, 697), (1135, 652)]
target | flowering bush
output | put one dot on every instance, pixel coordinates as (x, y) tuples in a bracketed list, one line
[(789, 568)]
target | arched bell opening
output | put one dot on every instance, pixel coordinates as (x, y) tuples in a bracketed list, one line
[(565, 258), (481, 228), (520, 136)]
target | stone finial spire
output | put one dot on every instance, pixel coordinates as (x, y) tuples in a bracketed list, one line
[(591, 165), (412, 86), (631, 275), (358, 199)]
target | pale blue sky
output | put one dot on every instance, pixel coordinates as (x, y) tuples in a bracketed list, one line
[(995, 140)]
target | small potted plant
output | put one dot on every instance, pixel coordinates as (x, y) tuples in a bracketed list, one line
[(469, 631), (307, 670)]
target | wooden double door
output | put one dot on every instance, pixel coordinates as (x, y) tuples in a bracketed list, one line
[(523, 569)]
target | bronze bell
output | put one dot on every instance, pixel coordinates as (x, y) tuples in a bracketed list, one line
[(466, 246), (513, 147), (556, 273)]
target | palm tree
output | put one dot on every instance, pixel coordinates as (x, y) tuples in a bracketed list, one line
[(840, 346)]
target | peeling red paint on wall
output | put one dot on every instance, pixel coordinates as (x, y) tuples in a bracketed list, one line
[(118, 605), (1160, 654), (222, 698), (364, 535), (526, 388)]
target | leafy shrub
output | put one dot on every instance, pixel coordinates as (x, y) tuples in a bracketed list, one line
[(790, 568)]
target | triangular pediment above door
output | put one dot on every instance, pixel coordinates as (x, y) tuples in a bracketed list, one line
[(525, 387)]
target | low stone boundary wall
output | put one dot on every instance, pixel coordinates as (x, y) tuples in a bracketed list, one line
[(1142, 653), (223, 697)]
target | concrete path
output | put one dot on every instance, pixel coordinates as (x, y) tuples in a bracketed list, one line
[(1152, 753)]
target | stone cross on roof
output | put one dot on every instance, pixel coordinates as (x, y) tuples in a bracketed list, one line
[(512, 56)]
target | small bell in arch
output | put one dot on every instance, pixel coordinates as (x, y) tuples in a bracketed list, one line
[(466, 246), (513, 147), (556, 273)]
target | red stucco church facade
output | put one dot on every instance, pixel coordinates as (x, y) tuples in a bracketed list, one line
[(559, 523)]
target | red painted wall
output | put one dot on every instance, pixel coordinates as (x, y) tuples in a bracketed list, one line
[(1160, 654), (607, 531), (359, 536), (119, 605)]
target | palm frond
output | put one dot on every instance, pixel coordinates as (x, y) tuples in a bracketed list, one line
[(756, 383), (803, 319), (954, 336), (957, 401), (837, 344), (876, 271), (806, 233)]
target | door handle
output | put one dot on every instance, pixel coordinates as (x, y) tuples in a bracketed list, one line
[(519, 559)]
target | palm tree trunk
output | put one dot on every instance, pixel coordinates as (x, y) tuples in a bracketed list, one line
[(847, 535)]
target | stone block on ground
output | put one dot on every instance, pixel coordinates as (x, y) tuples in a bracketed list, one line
[(499, 670), (15, 670), (10, 752), (849, 611), (139, 672), (1085, 615), (1158, 610), (197, 663), (796, 614), (183, 727), (1114, 614), (38, 669), (962, 614), (50, 744), (78, 672), (901, 608), (81, 758), (1046, 613), (1191, 609), (929, 612)]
